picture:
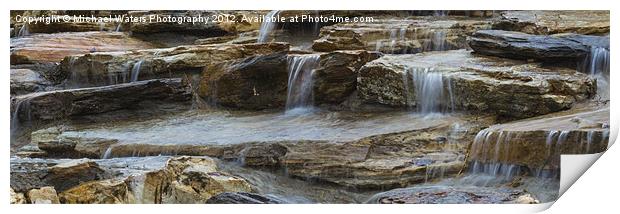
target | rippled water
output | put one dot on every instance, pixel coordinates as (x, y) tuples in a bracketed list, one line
[(231, 128)]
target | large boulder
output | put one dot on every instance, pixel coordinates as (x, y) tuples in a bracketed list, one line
[(54, 47), (44, 195), (51, 106), (453, 195), (555, 21), (517, 45), (392, 35), (69, 174), (111, 191), (460, 80), (335, 78), (104, 68), (189, 180), (252, 83)]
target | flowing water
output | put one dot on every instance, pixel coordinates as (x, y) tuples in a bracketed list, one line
[(432, 91), (598, 67), (266, 28), (135, 71), (299, 87), (23, 31)]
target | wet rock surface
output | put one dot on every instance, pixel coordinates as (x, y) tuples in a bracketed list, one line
[(516, 45)]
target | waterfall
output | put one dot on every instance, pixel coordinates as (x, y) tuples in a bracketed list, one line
[(23, 31), (118, 27), (22, 104), (597, 65), (300, 68), (432, 91), (107, 154), (268, 25), (135, 71)]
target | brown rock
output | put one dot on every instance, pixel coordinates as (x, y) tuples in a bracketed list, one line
[(112, 191), (555, 21)]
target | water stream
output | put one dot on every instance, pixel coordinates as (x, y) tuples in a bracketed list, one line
[(299, 88), (266, 28)]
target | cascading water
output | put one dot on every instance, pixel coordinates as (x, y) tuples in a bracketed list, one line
[(268, 25), (597, 65), (23, 31), (135, 71), (432, 91), (300, 68)]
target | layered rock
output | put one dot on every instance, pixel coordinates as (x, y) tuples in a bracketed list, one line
[(54, 47), (517, 45), (459, 80), (537, 143), (105, 68), (44, 195), (453, 195), (552, 22), (411, 35), (63, 104)]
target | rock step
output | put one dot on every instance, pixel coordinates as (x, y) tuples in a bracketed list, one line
[(516, 45), (543, 22), (54, 47), (449, 80), (106, 68), (44, 107), (400, 36)]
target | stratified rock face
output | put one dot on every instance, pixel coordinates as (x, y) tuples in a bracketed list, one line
[(17, 198), (460, 80), (243, 198), (517, 45), (106, 68), (453, 195), (44, 195), (413, 35), (552, 22), (537, 143), (67, 22), (111, 191), (335, 79), (25, 81), (62, 104), (252, 83), (189, 180), (54, 47)]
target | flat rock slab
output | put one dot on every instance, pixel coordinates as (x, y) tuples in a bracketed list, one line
[(400, 35), (594, 22), (517, 45), (508, 88), (54, 47)]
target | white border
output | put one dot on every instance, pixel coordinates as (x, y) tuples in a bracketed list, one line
[(577, 196)]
